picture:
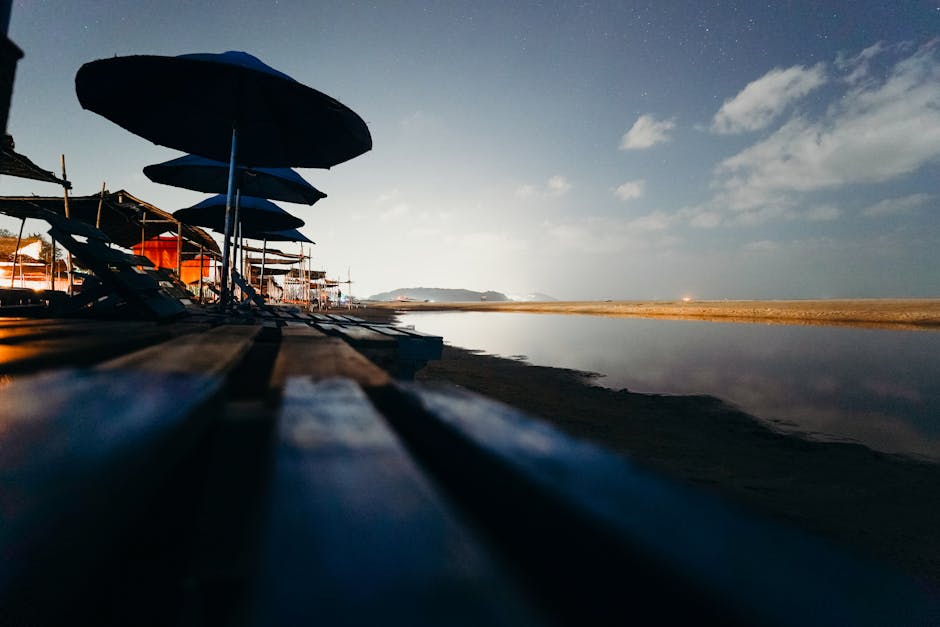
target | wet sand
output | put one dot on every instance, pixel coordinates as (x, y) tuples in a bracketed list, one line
[(885, 506), (888, 313)]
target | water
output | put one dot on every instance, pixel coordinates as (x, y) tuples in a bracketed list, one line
[(877, 387)]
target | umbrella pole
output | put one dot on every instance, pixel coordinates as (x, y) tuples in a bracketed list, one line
[(236, 226), (223, 294)]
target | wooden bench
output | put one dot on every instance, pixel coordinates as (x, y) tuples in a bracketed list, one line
[(401, 351), (158, 488), (82, 452), (357, 535)]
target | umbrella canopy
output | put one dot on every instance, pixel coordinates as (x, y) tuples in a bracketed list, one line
[(289, 235), (255, 214), (207, 175), (193, 102)]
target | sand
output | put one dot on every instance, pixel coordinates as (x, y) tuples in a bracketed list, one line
[(887, 313), (881, 505)]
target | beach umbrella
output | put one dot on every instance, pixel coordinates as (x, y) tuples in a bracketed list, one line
[(194, 102), (256, 214), (208, 175), (228, 107), (288, 235)]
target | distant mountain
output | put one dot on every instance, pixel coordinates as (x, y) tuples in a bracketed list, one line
[(534, 297), (438, 294)]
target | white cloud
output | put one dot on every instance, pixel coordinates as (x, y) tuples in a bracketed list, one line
[(702, 216), (388, 195), (858, 66), (646, 132), (488, 243), (601, 236), (555, 186), (630, 190), (875, 133), (761, 101), (762, 246), (558, 185), (397, 211), (896, 206), (655, 221), (822, 213), (706, 220)]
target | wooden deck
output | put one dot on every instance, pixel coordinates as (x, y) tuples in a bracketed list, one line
[(278, 468)]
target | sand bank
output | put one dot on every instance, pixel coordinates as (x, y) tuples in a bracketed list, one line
[(886, 313)]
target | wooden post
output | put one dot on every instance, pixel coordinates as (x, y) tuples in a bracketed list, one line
[(68, 257), (100, 202), (52, 266), (179, 250), (202, 262), (264, 253), (19, 239)]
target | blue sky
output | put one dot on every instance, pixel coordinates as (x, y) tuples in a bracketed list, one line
[(583, 150)]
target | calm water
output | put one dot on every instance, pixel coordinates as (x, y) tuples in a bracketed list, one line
[(876, 387)]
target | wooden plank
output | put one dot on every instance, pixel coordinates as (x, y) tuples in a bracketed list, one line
[(80, 454), (413, 347), (213, 352), (93, 347), (362, 335), (64, 328), (357, 536), (304, 351), (574, 514)]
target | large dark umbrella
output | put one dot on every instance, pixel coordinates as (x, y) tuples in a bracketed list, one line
[(229, 107), (255, 214), (207, 175), (194, 102)]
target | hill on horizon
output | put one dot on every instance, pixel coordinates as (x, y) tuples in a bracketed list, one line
[(439, 294)]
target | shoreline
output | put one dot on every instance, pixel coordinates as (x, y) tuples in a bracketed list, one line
[(874, 504), (894, 313)]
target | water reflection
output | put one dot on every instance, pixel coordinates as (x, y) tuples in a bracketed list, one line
[(872, 386)]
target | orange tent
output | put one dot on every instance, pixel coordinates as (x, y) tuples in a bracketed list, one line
[(190, 269), (161, 250)]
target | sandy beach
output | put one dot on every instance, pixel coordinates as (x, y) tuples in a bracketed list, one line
[(887, 313), (881, 505)]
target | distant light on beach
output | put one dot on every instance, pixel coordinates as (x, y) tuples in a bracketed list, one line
[(686, 299)]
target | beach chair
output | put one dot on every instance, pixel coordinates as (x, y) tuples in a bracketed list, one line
[(119, 286)]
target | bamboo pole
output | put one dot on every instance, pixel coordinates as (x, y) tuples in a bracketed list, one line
[(264, 253), (52, 266), (202, 262), (16, 252), (100, 202), (179, 250), (68, 257)]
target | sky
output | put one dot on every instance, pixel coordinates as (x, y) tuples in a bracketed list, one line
[(621, 150)]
